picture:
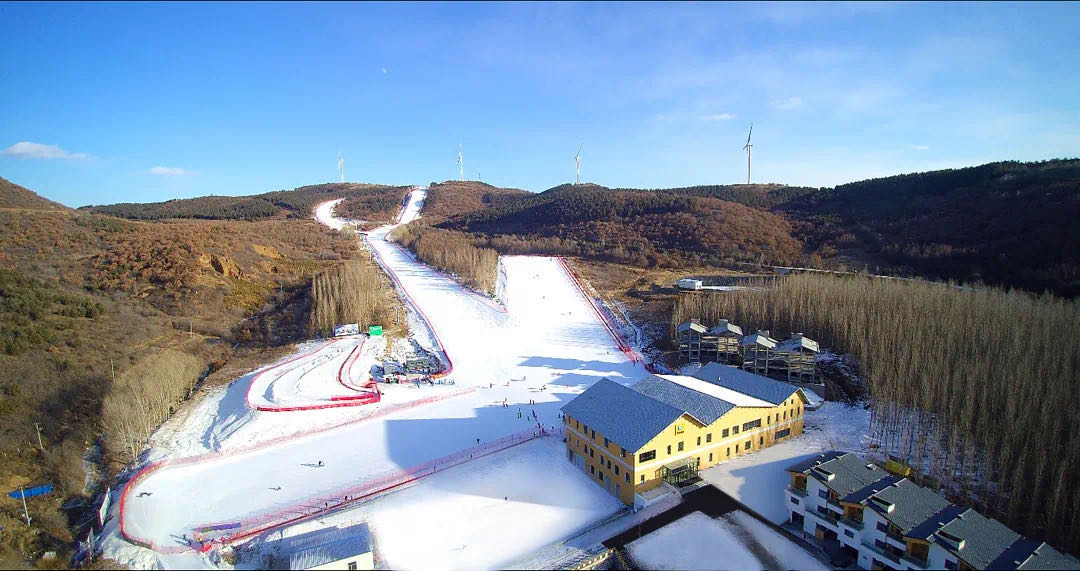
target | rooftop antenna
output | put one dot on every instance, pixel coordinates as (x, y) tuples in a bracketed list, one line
[(748, 147), (460, 164), (341, 166), (577, 159)]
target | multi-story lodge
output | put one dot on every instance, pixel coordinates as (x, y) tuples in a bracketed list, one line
[(889, 522), (664, 428)]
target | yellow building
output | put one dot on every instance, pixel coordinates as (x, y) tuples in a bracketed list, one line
[(665, 428)]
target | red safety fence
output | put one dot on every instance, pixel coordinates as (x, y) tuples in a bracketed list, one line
[(335, 402), (245, 527), (214, 456), (601, 314)]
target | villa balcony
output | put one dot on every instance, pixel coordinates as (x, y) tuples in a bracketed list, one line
[(797, 492), (885, 554), (854, 525), (915, 562), (829, 504)]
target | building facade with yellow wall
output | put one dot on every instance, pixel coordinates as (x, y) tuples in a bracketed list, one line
[(665, 428)]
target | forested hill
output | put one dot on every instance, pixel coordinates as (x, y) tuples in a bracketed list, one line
[(641, 226), (454, 197), (1006, 223), (296, 203), (15, 196)]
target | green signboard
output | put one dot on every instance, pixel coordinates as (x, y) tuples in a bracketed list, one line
[(374, 330)]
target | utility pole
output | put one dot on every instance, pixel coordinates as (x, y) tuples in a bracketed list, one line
[(26, 512), (40, 445)]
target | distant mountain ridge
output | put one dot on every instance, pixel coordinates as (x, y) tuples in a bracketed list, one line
[(1008, 223)]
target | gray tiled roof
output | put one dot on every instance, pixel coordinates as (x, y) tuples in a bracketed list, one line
[(850, 473), (913, 504), (334, 544), (625, 416), (705, 408), (725, 328), (1046, 557), (935, 522), (858, 496), (764, 388), (984, 538), (691, 325)]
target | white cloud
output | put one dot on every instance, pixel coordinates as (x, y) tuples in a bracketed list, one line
[(718, 117), (170, 171), (789, 103), (28, 150), (384, 70)]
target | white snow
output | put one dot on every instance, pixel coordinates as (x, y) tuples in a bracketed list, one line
[(546, 345), (758, 479), (722, 393), (694, 541), (788, 554)]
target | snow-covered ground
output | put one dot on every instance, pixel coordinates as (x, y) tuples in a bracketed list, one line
[(788, 554), (694, 541), (459, 519), (758, 479), (546, 346)]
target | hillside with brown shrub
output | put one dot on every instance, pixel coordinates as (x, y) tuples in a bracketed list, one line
[(454, 197), (642, 227), (376, 205), (15, 196)]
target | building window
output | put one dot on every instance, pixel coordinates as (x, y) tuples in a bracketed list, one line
[(646, 456), (882, 526), (783, 433), (768, 419), (729, 450), (605, 442), (708, 437), (824, 494), (736, 448), (847, 532), (748, 443), (669, 449), (352, 566), (626, 476), (950, 564), (643, 478), (577, 424), (586, 430), (760, 441), (725, 434), (734, 429), (593, 433), (591, 455), (609, 464), (623, 451), (751, 424), (699, 441), (592, 469), (879, 544), (785, 415), (616, 469), (794, 500), (680, 446), (710, 456), (679, 429), (600, 476)]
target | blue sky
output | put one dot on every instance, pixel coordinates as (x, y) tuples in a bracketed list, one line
[(143, 102)]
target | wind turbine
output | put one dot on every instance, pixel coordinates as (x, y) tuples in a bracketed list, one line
[(577, 159), (460, 164), (341, 166), (748, 147)]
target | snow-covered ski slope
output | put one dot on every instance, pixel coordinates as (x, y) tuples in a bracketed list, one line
[(546, 335), (331, 375)]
